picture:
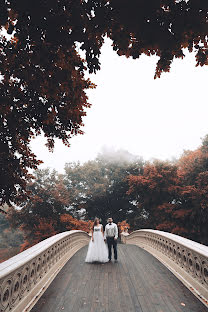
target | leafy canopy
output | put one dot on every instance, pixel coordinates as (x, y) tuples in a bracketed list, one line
[(42, 86)]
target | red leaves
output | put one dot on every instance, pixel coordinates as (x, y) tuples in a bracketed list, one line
[(182, 231), (166, 226), (43, 85), (74, 224), (44, 94), (175, 197), (166, 207), (44, 229), (159, 175), (123, 226), (182, 213)]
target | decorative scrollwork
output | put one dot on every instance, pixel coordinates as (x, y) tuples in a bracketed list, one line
[(17, 285), (15, 288), (198, 267), (183, 252), (205, 271), (24, 280), (6, 290)]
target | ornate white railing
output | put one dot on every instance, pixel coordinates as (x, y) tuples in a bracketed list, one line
[(188, 260), (24, 277)]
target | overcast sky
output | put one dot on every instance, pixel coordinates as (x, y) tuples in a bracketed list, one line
[(130, 110)]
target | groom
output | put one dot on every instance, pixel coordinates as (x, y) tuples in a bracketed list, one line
[(111, 235)]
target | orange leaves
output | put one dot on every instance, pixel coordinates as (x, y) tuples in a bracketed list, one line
[(136, 183), (42, 230), (123, 226), (182, 231), (48, 72), (44, 94), (165, 226), (202, 180), (46, 227), (163, 195), (67, 218), (181, 213), (158, 176), (175, 196), (187, 191), (189, 161), (73, 224), (167, 207), (25, 245)]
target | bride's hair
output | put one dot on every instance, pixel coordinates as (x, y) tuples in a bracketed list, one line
[(96, 221)]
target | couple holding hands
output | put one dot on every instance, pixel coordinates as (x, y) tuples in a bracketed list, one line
[(97, 250)]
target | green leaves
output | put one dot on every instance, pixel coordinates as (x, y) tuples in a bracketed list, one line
[(100, 187)]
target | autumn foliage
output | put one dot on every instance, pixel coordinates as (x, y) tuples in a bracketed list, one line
[(43, 84), (46, 228), (123, 226), (174, 197), (44, 213), (74, 224), (163, 195)]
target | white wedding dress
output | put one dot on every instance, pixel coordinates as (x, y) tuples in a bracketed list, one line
[(97, 250)]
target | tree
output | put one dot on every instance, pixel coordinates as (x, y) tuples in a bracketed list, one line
[(42, 88), (47, 200), (173, 197), (46, 211), (10, 239), (193, 194), (43, 84), (160, 27), (152, 190), (41, 230), (71, 223), (100, 186)]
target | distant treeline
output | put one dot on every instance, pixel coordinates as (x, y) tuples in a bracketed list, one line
[(10, 238), (165, 195)]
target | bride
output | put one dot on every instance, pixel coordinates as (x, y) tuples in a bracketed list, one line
[(97, 250)]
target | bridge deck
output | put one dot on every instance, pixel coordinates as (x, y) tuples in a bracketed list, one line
[(137, 283)]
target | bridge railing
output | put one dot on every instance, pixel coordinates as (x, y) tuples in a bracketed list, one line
[(187, 259), (24, 277)]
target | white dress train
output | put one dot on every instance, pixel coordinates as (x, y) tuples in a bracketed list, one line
[(97, 250)]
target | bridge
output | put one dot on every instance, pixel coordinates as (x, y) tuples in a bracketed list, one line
[(156, 272)]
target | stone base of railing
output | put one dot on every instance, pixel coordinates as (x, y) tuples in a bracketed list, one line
[(187, 260), (25, 277)]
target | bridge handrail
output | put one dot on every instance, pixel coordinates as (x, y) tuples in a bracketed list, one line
[(25, 276), (187, 259)]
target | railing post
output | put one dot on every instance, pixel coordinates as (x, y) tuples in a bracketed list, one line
[(123, 237)]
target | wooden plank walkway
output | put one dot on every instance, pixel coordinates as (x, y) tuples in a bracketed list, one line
[(137, 283)]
